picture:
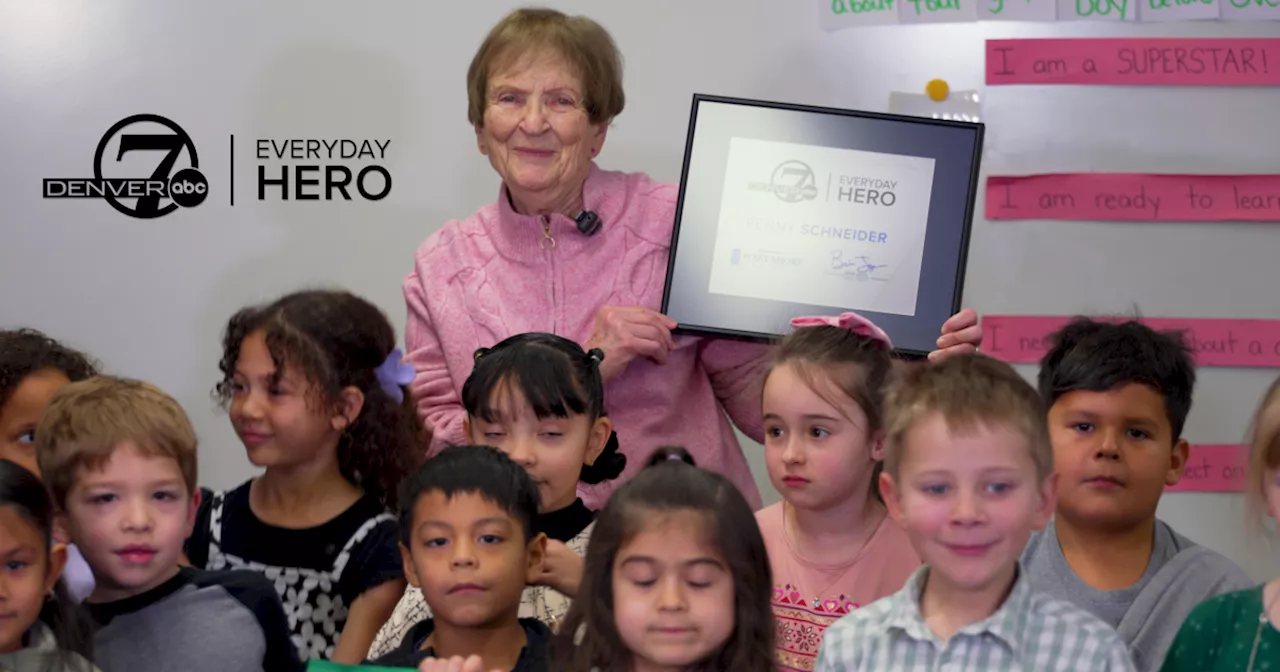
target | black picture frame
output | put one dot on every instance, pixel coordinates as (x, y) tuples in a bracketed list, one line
[(952, 216)]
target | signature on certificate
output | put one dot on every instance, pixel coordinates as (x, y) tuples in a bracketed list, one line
[(860, 267)]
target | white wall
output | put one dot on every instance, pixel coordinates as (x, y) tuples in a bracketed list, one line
[(149, 297)]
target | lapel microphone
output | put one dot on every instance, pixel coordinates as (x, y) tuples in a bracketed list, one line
[(588, 222)]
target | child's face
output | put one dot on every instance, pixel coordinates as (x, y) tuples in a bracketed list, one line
[(968, 502), (470, 559), (129, 519), (551, 449), (20, 414), (673, 598), (1114, 452), (29, 571), (818, 455), (279, 424)]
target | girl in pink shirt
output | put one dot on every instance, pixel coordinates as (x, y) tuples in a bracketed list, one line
[(830, 544)]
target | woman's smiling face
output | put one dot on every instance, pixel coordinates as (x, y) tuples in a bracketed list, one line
[(536, 131)]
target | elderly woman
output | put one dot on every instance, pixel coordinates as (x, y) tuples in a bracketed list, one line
[(542, 90)]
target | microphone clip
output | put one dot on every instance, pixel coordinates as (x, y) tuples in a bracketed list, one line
[(588, 222)]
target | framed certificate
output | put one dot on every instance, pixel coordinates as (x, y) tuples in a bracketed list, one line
[(788, 210)]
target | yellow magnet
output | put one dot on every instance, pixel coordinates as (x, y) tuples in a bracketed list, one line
[(937, 90)]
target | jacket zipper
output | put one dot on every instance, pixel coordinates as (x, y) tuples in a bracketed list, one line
[(548, 244), (546, 234)]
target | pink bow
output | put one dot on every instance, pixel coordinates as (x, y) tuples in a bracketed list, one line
[(851, 321)]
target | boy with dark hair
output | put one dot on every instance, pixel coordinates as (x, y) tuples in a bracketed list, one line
[(1118, 396), (467, 540), (119, 457)]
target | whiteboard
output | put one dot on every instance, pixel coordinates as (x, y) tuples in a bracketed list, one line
[(150, 297)]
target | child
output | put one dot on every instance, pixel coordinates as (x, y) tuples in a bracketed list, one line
[(119, 457), (830, 546), (467, 541), (968, 473), (676, 578), (1238, 631), (44, 631), (33, 367), (538, 398), (316, 393), (1118, 397)]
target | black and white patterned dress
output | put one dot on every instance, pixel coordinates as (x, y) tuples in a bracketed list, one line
[(318, 572)]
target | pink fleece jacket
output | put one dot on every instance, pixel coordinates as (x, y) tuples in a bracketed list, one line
[(482, 279)]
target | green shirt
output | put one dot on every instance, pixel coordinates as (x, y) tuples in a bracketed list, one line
[(1219, 633)]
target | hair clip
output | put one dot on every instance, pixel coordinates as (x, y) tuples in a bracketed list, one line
[(674, 457), (596, 355), (393, 374), (480, 352), (850, 321)]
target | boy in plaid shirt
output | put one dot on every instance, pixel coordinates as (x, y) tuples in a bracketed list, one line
[(968, 475)]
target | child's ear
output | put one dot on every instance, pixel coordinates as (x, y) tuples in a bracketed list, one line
[(466, 428), (61, 529), (352, 401), (191, 514), (1178, 462), (1271, 475), (57, 561), (892, 497), (877, 446), (410, 571), (1048, 497), (600, 433), (537, 552)]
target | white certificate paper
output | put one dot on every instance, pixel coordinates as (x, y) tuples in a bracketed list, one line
[(822, 226)]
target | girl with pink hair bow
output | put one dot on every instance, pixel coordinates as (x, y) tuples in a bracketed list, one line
[(831, 546)]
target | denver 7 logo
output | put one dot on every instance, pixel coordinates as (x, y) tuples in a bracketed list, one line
[(187, 188), (793, 181)]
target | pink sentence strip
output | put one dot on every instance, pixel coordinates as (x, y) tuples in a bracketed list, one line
[(1158, 61), (1214, 469), (1134, 197), (1023, 339)]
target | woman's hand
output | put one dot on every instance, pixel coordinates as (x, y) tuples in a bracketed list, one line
[(454, 664), (561, 569), (627, 332), (960, 334)]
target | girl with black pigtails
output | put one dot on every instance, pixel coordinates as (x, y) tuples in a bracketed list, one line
[(539, 398)]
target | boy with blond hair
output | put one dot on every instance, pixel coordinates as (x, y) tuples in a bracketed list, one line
[(968, 474), (119, 457)]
